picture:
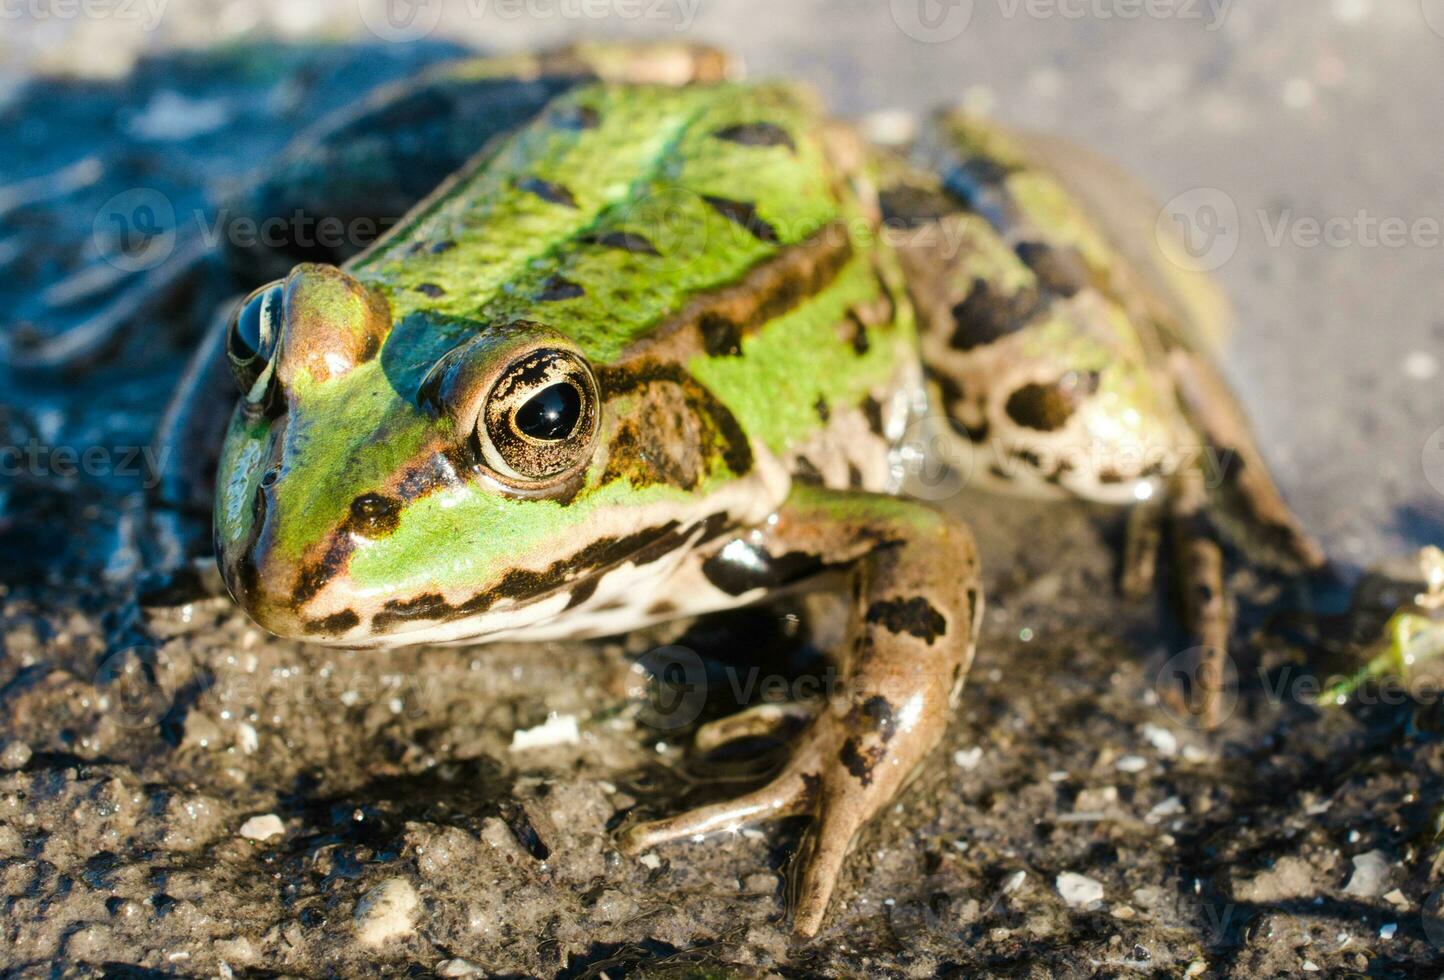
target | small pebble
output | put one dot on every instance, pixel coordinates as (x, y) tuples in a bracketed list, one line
[(1161, 739), (247, 738), (1310, 966), (14, 755), (1387, 932), (556, 730), (386, 911), (458, 968), (1370, 877), (1168, 808), (968, 758), (650, 861), (1131, 763), (1079, 891), (263, 827), (1195, 968), (1014, 881), (1396, 898)]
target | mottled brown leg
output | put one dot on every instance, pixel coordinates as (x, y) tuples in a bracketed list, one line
[(916, 607), (1200, 577), (1216, 414), (1140, 549)]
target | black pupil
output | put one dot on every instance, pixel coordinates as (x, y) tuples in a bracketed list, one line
[(246, 337), (551, 413)]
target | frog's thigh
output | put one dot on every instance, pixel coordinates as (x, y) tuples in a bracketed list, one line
[(914, 585)]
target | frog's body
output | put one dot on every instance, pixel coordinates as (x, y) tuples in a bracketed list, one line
[(730, 352), (649, 356)]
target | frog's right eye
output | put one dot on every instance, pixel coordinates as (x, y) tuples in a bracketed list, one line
[(252, 339)]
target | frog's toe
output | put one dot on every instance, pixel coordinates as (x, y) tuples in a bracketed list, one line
[(787, 795), (759, 721)]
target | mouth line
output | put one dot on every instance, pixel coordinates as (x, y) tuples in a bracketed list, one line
[(399, 618)]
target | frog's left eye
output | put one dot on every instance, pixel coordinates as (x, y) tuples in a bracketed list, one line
[(540, 418), (252, 339)]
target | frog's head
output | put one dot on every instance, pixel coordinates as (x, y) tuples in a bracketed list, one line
[(371, 491)]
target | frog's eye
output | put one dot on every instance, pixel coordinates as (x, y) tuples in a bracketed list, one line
[(540, 419), (251, 340)]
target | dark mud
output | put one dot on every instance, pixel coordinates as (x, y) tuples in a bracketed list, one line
[(181, 795)]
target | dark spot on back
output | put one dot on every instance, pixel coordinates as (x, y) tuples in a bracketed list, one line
[(720, 336), (915, 616), (853, 331), (1048, 407), (547, 191), (872, 410), (988, 315), (744, 213), (757, 134), (1060, 270), (558, 288), (820, 407), (910, 206), (627, 241), (445, 245), (430, 289), (975, 177)]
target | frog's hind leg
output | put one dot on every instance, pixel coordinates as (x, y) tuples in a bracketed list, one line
[(1238, 479), (916, 602)]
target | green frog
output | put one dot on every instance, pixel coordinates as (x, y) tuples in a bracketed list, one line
[(663, 347)]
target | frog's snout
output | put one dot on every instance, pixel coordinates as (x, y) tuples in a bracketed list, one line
[(259, 579)]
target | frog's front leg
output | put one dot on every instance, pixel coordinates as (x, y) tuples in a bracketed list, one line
[(914, 578)]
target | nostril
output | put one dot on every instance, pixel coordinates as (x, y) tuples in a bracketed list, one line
[(269, 479), (374, 515)]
